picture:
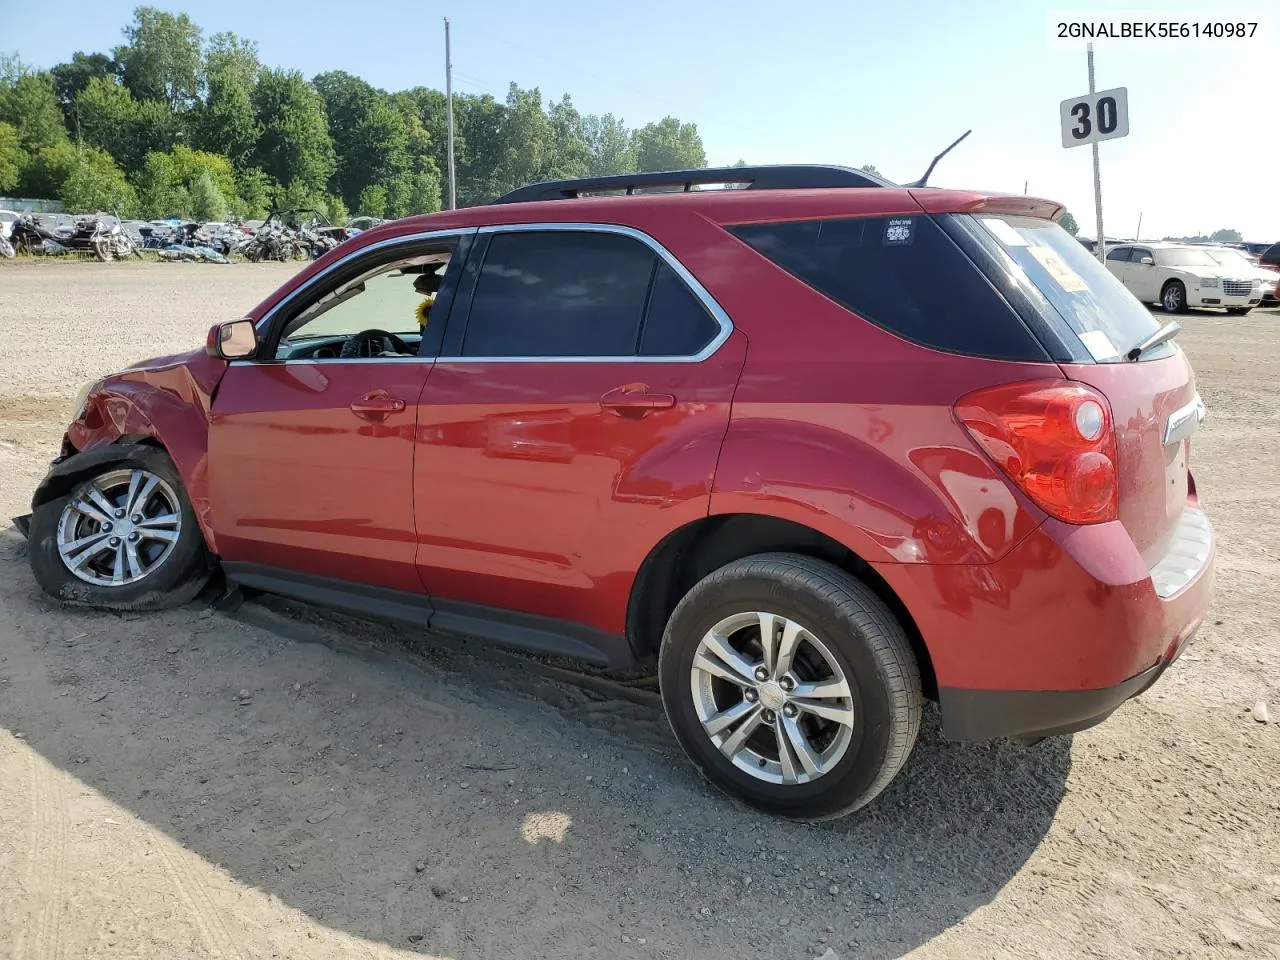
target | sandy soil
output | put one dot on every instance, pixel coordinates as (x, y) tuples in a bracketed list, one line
[(283, 782)]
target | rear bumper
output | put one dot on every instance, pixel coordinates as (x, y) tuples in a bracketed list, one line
[(1061, 631), (1031, 714)]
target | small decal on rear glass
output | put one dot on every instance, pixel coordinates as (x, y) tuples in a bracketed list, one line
[(1057, 268), (898, 231), (1099, 345), (1004, 232)]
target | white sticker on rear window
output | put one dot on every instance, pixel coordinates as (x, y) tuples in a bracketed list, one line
[(1057, 268), (897, 231), (1099, 345), (1005, 233)]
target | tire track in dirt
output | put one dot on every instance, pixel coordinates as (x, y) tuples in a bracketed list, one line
[(204, 913), (46, 868)]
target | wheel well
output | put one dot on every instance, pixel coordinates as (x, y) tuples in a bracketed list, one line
[(688, 554), (60, 484)]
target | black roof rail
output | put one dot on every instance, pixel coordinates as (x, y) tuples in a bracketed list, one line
[(773, 177)]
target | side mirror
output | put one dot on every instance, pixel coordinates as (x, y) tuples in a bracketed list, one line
[(1147, 262), (233, 340)]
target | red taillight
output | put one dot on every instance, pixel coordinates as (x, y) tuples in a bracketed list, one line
[(1054, 439)]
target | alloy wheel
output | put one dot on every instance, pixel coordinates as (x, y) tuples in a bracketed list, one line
[(772, 698), (119, 528)]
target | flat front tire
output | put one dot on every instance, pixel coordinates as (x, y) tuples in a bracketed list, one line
[(791, 686), (124, 538)]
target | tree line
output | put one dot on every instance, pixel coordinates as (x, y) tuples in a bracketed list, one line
[(173, 123)]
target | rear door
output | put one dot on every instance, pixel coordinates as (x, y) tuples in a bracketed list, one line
[(573, 418)]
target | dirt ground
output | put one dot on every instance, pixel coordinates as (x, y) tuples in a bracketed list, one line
[(284, 782)]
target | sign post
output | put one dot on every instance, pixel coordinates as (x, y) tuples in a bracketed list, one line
[(1098, 115)]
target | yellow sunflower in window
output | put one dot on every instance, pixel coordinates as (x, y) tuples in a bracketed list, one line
[(424, 310)]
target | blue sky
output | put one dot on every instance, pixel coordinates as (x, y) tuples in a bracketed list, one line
[(833, 81)]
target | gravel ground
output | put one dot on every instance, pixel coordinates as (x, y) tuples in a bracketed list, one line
[(284, 782)]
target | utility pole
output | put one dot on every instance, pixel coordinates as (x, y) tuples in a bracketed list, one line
[(448, 87), (1100, 249), (1138, 235)]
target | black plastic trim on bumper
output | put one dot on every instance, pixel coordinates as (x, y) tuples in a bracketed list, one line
[(989, 714), (23, 524)]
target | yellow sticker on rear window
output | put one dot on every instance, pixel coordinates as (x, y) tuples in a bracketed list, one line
[(1057, 268)]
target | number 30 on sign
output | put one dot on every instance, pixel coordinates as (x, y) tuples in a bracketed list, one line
[(1094, 117)]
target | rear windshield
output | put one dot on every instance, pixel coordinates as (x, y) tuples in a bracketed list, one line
[(1106, 317)]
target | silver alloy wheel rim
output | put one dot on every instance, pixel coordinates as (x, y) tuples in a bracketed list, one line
[(119, 527), (772, 698), (1172, 298)]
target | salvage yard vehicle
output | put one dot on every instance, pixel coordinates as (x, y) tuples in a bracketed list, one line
[(1179, 276), (726, 434)]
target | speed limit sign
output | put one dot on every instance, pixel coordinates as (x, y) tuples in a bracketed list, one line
[(1095, 117)]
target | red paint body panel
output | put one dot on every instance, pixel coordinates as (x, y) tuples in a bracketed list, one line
[(533, 498), (299, 481), (1070, 608)]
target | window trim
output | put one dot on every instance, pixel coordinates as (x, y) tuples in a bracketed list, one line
[(468, 283), (265, 324)]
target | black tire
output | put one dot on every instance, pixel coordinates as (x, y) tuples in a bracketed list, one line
[(859, 631), (175, 581), (1239, 311), (1173, 297)]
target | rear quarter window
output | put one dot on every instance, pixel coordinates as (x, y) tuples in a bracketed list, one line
[(903, 274)]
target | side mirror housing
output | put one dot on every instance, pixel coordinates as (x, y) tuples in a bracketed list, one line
[(1147, 262), (233, 340)]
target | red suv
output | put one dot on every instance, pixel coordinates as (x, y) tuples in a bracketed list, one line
[(820, 447)]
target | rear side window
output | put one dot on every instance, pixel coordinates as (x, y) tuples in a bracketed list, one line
[(903, 274), (1094, 304), (1118, 255), (676, 324), (559, 294)]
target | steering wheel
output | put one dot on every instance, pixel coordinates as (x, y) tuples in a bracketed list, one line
[(369, 343)]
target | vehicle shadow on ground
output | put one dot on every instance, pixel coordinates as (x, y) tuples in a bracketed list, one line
[(432, 797)]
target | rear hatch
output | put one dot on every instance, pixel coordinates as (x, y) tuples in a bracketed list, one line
[(1089, 322)]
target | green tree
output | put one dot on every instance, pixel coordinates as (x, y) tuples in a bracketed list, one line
[(46, 170), (225, 122), (609, 146), (570, 153), (429, 108), (160, 191), (107, 117), (72, 77), (161, 58), (1226, 236), (12, 157), (29, 104), (373, 201), (295, 146), (207, 201), (335, 210), (871, 169), (480, 149), (1068, 223), (347, 101), (669, 145), (253, 193), (379, 148), (94, 183)]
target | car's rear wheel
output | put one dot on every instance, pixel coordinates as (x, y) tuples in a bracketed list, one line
[(1174, 297), (791, 685), (125, 537)]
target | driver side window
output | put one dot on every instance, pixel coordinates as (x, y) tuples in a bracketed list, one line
[(380, 313)]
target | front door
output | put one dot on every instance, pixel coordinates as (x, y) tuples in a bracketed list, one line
[(574, 417), (1143, 278), (311, 445)]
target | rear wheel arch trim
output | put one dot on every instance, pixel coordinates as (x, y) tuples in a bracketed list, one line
[(671, 569)]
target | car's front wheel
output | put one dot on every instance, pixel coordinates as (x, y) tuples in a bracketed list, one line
[(124, 538), (1174, 297), (791, 685)]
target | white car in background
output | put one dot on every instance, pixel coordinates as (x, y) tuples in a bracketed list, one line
[(1178, 276), (1239, 260)]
